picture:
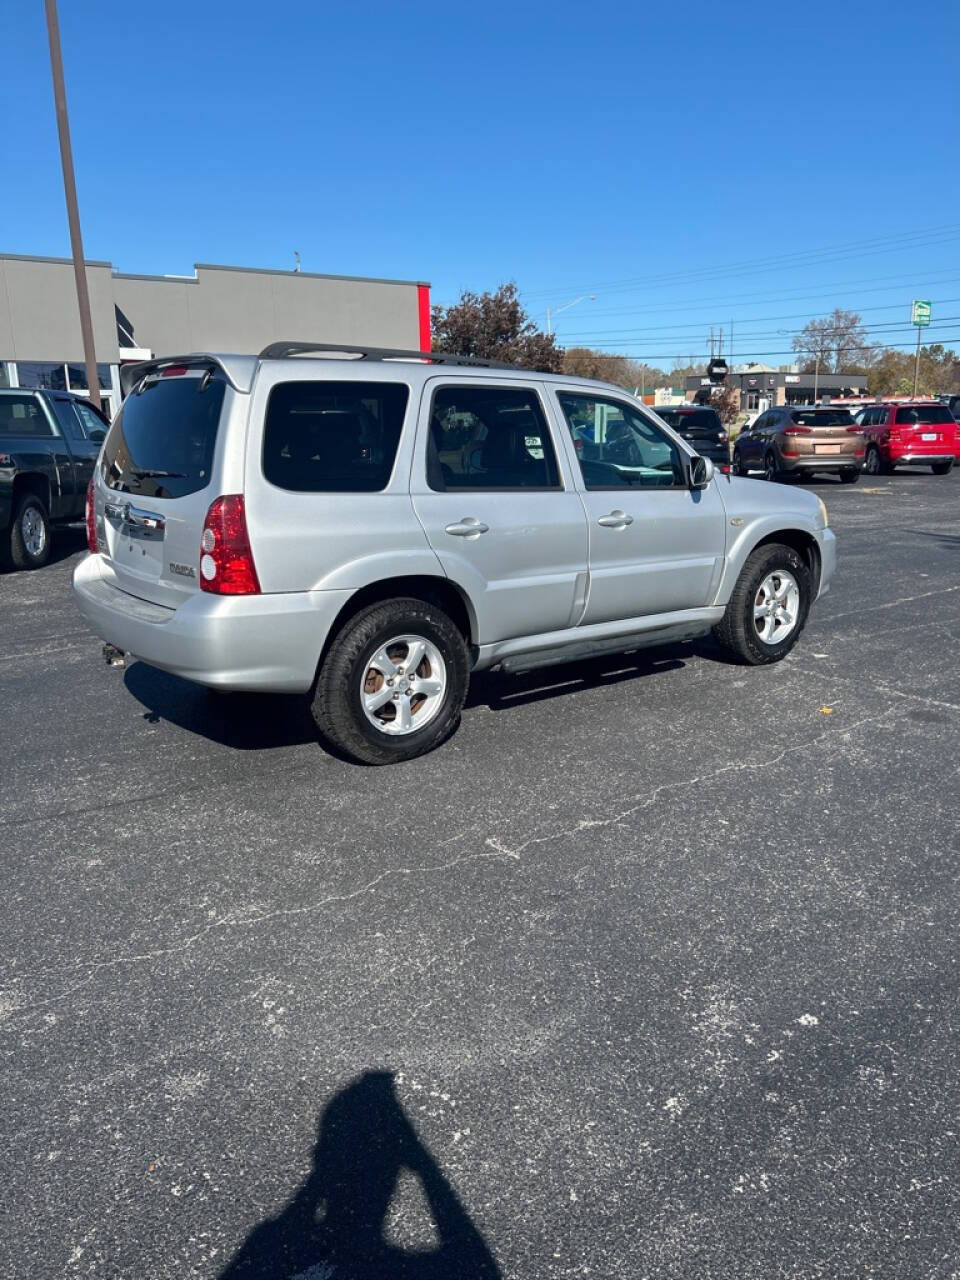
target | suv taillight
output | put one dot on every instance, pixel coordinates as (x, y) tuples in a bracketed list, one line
[(798, 431), (226, 561), (90, 515)]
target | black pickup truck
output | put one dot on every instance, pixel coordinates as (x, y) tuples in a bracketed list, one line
[(49, 441)]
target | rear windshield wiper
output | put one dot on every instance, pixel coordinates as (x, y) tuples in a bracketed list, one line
[(158, 475)]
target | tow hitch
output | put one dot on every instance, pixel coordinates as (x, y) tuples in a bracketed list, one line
[(113, 656)]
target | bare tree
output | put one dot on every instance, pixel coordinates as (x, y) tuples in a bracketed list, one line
[(836, 343)]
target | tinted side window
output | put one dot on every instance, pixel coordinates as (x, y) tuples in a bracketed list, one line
[(23, 416), (489, 438), (90, 420), (333, 437), (618, 447), (67, 418)]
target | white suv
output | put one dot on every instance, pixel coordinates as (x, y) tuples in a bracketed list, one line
[(369, 527)]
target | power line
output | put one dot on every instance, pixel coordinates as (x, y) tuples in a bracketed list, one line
[(685, 355), (725, 301), (698, 328), (809, 257)]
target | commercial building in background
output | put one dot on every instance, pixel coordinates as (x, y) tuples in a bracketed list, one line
[(230, 309), (761, 388)]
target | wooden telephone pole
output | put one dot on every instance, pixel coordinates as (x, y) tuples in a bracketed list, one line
[(70, 191)]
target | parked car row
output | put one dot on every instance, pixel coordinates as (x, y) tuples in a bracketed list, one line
[(49, 441), (795, 440)]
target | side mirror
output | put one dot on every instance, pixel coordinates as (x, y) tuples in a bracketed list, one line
[(98, 435), (701, 472)]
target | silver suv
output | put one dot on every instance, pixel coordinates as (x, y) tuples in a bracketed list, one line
[(368, 527)]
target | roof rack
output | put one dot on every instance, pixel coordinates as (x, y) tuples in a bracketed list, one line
[(280, 350)]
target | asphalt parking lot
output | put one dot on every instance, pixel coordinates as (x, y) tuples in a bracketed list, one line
[(650, 971)]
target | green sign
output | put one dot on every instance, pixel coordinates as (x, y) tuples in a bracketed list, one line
[(920, 314)]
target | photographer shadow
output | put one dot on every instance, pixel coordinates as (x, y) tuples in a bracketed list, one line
[(333, 1228)]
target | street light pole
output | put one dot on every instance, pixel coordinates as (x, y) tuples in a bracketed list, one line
[(70, 191)]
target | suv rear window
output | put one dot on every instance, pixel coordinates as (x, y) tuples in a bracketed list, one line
[(161, 442), (681, 419), (333, 437), (923, 413), (822, 418)]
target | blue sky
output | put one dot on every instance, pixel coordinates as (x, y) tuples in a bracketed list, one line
[(685, 163)]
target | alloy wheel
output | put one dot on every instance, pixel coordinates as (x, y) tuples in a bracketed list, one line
[(403, 685), (33, 529), (776, 607)]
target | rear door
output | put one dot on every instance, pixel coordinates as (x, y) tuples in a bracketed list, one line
[(925, 429), (499, 506), (85, 431), (155, 481)]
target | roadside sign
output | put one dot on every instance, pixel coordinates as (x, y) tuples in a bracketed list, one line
[(920, 312)]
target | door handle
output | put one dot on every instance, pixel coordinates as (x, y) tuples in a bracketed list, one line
[(468, 527), (135, 516), (617, 519)]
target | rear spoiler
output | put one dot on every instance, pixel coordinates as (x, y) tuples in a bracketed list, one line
[(238, 370)]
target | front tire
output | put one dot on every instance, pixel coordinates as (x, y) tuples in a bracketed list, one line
[(768, 608), (29, 536), (941, 468), (392, 684)]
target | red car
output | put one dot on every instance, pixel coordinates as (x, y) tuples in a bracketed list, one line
[(919, 433)]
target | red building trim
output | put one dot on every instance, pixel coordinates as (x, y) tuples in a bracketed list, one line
[(423, 303)]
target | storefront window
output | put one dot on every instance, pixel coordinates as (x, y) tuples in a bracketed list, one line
[(38, 373), (4, 374), (77, 374)]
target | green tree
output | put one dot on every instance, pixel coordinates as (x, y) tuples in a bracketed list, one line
[(494, 326)]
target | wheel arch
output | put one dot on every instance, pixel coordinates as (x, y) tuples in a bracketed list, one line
[(436, 590), (805, 545), (35, 483)]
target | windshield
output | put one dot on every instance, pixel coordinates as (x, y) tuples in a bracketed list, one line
[(161, 442)]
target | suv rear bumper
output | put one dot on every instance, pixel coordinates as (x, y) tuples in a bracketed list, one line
[(821, 462), (263, 643), (919, 459)]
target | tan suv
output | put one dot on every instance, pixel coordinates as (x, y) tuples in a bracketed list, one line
[(801, 439)]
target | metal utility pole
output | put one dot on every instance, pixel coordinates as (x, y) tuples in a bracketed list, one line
[(70, 191), (916, 367)]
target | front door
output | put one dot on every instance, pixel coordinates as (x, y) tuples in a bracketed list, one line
[(656, 545), (499, 506)]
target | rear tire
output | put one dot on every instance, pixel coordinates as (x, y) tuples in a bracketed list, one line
[(738, 630), (348, 679), (871, 463), (770, 471), (941, 468), (737, 465), (27, 541), (849, 475)]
